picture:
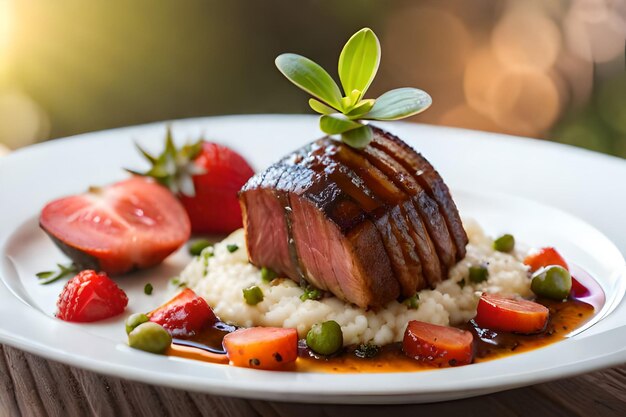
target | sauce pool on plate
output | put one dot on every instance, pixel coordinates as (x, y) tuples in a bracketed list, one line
[(565, 317)]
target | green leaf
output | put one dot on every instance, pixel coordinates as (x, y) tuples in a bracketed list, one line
[(337, 123), (48, 277), (310, 77), (146, 155), (399, 103), (358, 62), (320, 107), (360, 109), (358, 138)]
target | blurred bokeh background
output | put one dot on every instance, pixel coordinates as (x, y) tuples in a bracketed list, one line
[(550, 69)]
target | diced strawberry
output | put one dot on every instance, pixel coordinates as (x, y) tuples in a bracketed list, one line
[(184, 315), (90, 296)]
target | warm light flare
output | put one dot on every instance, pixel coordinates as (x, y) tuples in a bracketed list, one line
[(525, 38), (6, 22)]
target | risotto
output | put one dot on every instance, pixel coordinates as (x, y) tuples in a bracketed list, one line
[(221, 273)]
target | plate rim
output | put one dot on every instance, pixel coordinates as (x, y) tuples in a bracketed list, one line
[(118, 370)]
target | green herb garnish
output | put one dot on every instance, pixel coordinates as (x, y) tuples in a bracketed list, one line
[(267, 274), (505, 243), (478, 274), (232, 248), (197, 246), (366, 350), (253, 295), (48, 277), (344, 113), (147, 289), (177, 282), (311, 293), (413, 302)]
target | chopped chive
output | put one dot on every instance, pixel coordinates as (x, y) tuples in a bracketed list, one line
[(504, 243), (412, 302), (366, 350), (267, 274), (48, 277), (196, 247), (478, 273), (232, 248), (311, 293), (253, 295), (175, 281), (461, 283), (147, 289)]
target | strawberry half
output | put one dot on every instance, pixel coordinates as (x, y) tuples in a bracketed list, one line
[(90, 296), (129, 225), (206, 177), (184, 315)]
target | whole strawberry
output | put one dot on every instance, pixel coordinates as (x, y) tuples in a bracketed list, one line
[(90, 296), (206, 177)]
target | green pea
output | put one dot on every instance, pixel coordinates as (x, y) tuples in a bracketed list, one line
[(553, 282), (267, 274), (197, 246), (478, 273), (135, 320), (504, 243), (149, 337), (325, 338), (413, 302), (253, 295)]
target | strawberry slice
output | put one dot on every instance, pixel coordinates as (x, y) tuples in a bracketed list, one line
[(184, 315), (206, 177), (129, 225), (90, 296)]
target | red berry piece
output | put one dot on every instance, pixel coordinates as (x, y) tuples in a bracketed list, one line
[(90, 296)]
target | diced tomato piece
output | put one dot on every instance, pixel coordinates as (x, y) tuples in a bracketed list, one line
[(184, 315), (262, 347), (90, 296), (440, 345), (545, 257), (578, 289), (499, 313)]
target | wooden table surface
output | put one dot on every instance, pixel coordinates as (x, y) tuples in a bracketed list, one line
[(33, 386)]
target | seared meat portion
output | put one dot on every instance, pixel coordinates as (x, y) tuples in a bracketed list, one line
[(367, 225)]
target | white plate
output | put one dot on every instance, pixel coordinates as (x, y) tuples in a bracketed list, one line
[(489, 174)]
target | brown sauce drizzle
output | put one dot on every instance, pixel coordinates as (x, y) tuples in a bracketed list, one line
[(565, 317)]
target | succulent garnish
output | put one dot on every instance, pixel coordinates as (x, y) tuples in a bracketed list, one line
[(174, 168), (48, 277), (345, 113)]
